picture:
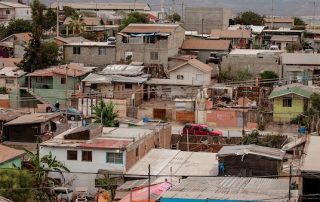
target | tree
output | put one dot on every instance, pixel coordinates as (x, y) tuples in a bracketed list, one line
[(106, 112), (175, 17), (298, 21), (12, 182), (18, 26), (50, 19), (315, 101), (252, 138), (76, 23), (249, 18), (68, 11), (270, 76), (134, 17), (50, 53)]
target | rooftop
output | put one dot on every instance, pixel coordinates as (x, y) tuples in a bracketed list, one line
[(74, 70), (230, 34), (88, 21), (198, 44), (173, 82), (24, 36), (278, 20), (295, 88), (90, 43), (194, 63), (12, 5), (67, 40), (182, 163), (104, 6), (150, 28), (11, 72), (124, 70), (9, 62), (8, 153), (240, 150), (9, 114), (310, 159), (129, 134), (229, 188), (300, 59), (33, 118), (284, 38), (253, 52), (108, 78)]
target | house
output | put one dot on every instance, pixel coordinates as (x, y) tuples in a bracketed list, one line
[(101, 53), (299, 67), (204, 19), (267, 34), (60, 41), (87, 24), (255, 61), (238, 38), (13, 11), (50, 83), (229, 189), (279, 22), (31, 127), (151, 44), (309, 169), (166, 162), (204, 48), (291, 100), (11, 76), (112, 150), (283, 42), (250, 160), (10, 157), (7, 115), (117, 82), (15, 44)]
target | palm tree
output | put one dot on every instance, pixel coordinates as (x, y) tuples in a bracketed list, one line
[(77, 22), (104, 113)]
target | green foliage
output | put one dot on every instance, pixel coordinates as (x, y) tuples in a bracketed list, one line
[(225, 76), (12, 182), (275, 141), (175, 17), (134, 17), (76, 23), (293, 47), (315, 101), (50, 19), (252, 138), (249, 18), (298, 21), (3, 90), (92, 36), (49, 51), (68, 11), (106, 112), (268, 75), (18, 26), (243, 75)]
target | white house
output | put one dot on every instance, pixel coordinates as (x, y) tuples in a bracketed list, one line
[(12, 11)]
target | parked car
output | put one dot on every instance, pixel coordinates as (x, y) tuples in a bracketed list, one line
[(111, 40), (199, 129), (72, 114), (63, 194)]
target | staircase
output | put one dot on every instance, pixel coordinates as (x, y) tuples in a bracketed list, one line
[(31, 92)]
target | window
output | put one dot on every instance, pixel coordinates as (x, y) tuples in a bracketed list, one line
[(128, 86), (102, 51), (76, 50), (86, 155), (154, 55), (116, 158), (180, 77), (72, 155), (9, 81), (8, 12), (63, 81), (287, 102), (137, 152)]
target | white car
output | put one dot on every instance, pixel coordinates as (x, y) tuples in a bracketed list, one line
[(274, 47), (63, 193)]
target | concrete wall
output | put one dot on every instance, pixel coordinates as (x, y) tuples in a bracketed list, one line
[(292, 73), (11, 86), (191, 74), (279, 25), (89, 55), (120, 106), (285, 114), (255, 65), (214, 18)]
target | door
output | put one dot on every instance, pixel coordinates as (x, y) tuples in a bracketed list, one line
[(159, 114)]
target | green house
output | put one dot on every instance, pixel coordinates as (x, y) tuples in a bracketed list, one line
[(291, 100), (10, 157)]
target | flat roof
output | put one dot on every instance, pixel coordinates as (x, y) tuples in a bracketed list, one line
[(130, 133), (254, 51), (310, 159), (33, 118), (182, 163), (300, 58), (104, 6), (229, 188), (173, 82), (90, 43)]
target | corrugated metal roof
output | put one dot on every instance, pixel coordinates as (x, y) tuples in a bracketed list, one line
[(198, 44), (229, 188), (11, 72), (310, 159), (125, 70), (150, 28), (231, 34), (99, 78), (295, 88), (240, 150), (174, 82), (182, 163), (33, 118)]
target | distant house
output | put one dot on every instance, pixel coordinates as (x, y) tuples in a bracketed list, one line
[(98, 151), (31, 128), (87, 24), (151, 44), (238, 38), (291, 100), (60, 41), (267, 34), (16, 44), (7, 115), (50, 83), (13, 11), (250, 160), (117, 82), (283, 42), (101, 53), (299, 67), (279, 22), (204, 48), (11, 76), (10, 157)]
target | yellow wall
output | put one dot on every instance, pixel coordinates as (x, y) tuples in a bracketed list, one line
[(285, 114)]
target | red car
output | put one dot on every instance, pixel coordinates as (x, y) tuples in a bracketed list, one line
[(199, 129)]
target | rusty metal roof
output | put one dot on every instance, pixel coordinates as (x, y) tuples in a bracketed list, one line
[(198, 44), (150, 28), (231, 34)]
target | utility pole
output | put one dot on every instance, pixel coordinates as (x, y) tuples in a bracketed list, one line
[(290, 178), (149, 183), (202, 20), (57, 18), (272, 13), (182, 11), (66, 94)]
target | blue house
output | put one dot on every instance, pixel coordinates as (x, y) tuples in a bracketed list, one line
[(10, 157)]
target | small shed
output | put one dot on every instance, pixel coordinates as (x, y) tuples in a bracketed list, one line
[(250, 160)]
